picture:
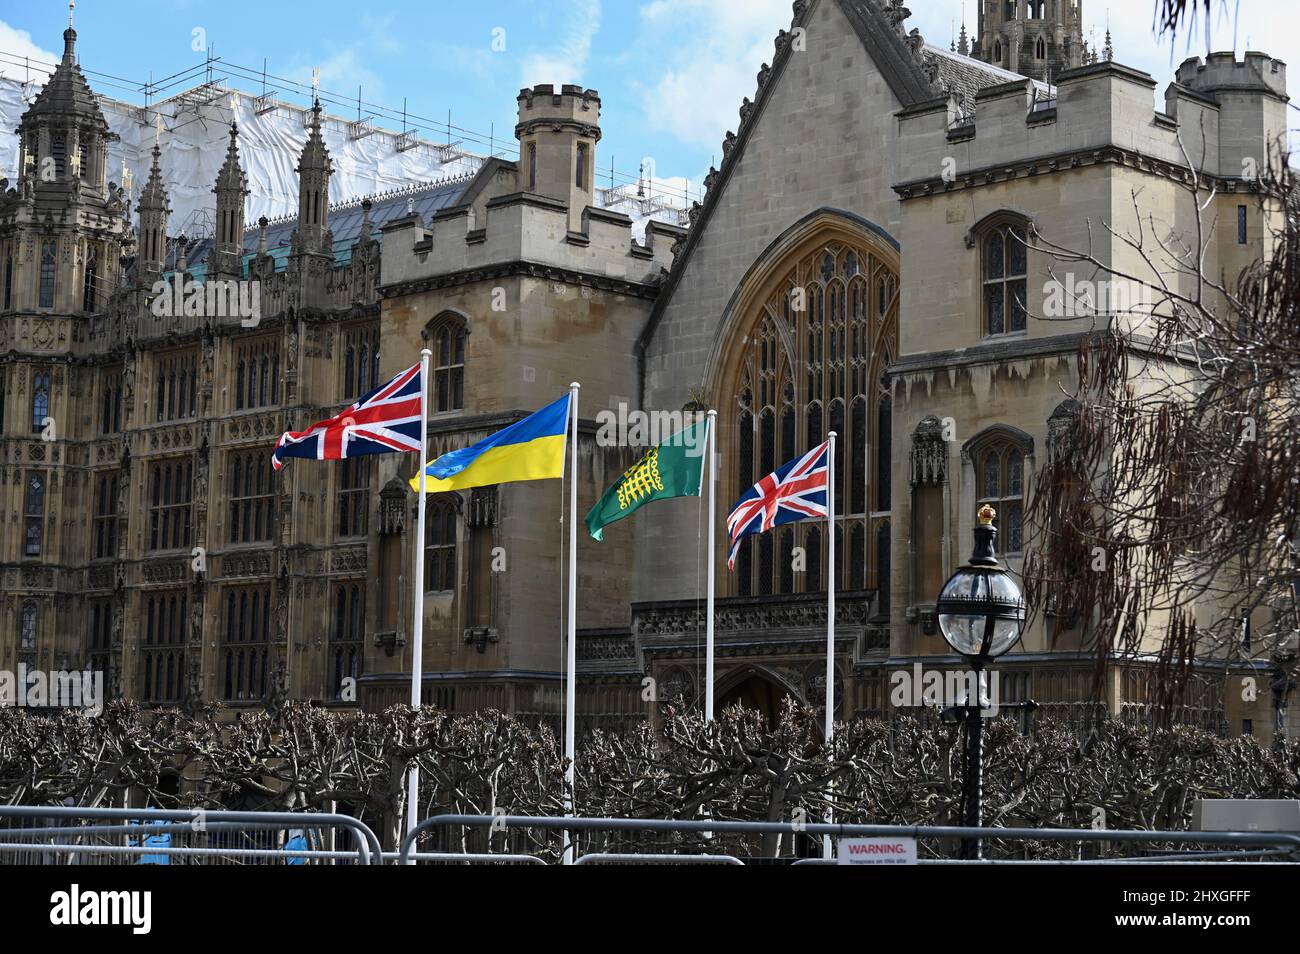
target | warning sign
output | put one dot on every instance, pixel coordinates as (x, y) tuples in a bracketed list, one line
[(877, 851)]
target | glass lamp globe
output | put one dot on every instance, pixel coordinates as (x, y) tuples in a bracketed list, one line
[(981, 609)]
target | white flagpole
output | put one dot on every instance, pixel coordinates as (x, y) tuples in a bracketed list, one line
[(710, 443), (571, 646), (417, 622), (830, 615)]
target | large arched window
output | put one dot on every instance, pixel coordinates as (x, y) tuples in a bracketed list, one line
[(814, 363), (1004, 268), (447, 368)]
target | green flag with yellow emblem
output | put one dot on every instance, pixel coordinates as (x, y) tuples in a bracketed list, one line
[(673, 469)]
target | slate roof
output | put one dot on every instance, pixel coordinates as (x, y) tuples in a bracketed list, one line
[(966, 76), (344, 222)]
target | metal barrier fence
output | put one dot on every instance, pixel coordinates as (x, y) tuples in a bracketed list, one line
[(1224, 846), (93, 836), (55, 835)]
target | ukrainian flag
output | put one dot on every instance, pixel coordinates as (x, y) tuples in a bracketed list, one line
[(532, 449)]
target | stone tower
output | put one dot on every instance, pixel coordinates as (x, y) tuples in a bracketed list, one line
[(231, 190), (63, 233), (1036, 38), (557, 135)]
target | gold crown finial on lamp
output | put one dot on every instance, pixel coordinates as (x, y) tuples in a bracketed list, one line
[(986, 515)]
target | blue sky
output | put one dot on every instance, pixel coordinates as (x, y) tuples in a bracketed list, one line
[(671, 73)]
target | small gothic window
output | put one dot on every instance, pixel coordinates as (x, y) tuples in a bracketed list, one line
[(105, 518), (360, 361), (252, 498), (88, 286), (40, 400), (580, 167), (1040, 49), (1000, 482), (46, 299), (27, 627), (349, 633), (246, 644), (33, 514), (448, 372), (1004, 268), (440, 546), (171, 490), (354, 496)]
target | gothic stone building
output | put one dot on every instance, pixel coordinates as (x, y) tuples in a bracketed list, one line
[(885, 180)]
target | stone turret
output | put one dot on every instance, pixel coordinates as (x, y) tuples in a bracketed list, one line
[(153, 209), (314, 171), (557, 135), (1251, 99), (231, 189)]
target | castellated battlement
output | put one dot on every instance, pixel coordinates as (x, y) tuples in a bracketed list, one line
[(1230, 117), (543, 106), (525, 227), (1224, 73)]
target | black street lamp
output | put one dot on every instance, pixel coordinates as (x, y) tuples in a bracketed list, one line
[(981, 615)]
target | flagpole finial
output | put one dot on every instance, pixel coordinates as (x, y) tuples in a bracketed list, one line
[(574, 385), (712, 412), (830, 434), (426, 353)]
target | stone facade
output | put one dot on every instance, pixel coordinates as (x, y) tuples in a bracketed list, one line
[(836, 276)]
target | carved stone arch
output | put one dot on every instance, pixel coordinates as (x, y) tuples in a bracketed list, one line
[(1007, 215), (443, 316), (769, 270), (998, 432)]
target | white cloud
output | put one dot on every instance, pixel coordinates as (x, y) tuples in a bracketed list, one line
[(711, 50), (16, 46), (566, 62)]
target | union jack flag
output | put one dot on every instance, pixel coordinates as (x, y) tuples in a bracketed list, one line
[(385, 421), (794, 491)]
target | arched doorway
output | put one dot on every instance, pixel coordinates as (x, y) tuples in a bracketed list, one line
[(755, 689)]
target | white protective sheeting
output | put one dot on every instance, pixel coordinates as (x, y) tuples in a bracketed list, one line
[(196, 133), (194, 143)]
